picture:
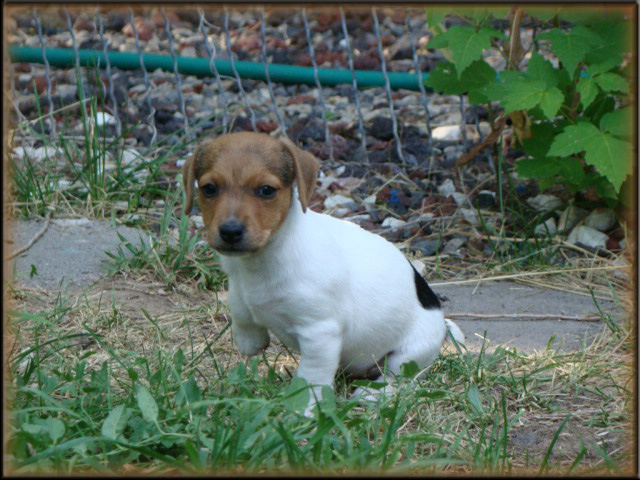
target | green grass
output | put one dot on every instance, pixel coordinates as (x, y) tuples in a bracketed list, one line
[(103, 381), (173, 401), (174, 255), (99, 178)]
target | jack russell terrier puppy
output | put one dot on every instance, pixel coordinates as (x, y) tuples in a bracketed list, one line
[(340, 295)]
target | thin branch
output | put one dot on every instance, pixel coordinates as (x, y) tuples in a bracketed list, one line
[(33, 240), (525, 316)]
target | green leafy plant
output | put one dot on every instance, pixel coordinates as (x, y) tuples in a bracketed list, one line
[(567, 93)]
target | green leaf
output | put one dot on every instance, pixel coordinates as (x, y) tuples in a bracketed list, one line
[(147, 404), (542, 135), (328, 402), (572, 171), (115, 422), (444, 78), (541, 69), (439, 41), (610, 155), (189, 392), (543, 13), (573, 139), (611, 82), (538, 167), (55, 428), (618, 123), (435, 15), (520, 92), (473, 395), (588, 91), (608, 63), (570, 47), (551, 101), (296, 394), (465, 43)]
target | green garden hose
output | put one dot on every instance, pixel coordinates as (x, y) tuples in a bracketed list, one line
[(288, 74)]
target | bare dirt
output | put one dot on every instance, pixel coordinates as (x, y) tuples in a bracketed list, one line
[(70, 255)]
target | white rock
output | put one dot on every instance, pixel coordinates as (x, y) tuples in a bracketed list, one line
[(485, 128), (418, 265), (447, 132), (549, 227), (570, 218), (326, 181), (197, 221), (425, 217), (370, 200), (67, 90), (471, 216), (335, 201), (544, 202), (299, 109), (447, 188), (130, 155), (189, 52), (393, 223), (359, 219), (340, 212), (587, 236), (623, 272), (104, 118), (38, 154), (601, 219), (44, 152), (459, 197), (370, 203), (380, 112)]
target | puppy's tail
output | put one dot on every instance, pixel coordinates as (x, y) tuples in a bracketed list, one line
[(455, 331)]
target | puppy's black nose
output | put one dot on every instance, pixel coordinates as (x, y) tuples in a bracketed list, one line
[(231, 231)]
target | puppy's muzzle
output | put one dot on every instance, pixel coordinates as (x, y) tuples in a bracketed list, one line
[(232, 231)]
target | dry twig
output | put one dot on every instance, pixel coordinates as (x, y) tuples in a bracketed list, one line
[(34, 239)]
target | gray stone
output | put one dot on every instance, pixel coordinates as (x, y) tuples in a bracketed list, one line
[(471, 216), (426, 248), (601, 219), (335, 201), (548, 227), (544, 202), (587, 236), (570, 218), (453, 245), (447, 132), (447, 188), (393, 223)]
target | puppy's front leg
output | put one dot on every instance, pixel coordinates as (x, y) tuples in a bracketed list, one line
[(250, 338), (320, 346)]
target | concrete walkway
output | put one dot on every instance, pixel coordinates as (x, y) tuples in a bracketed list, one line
[(73, 250)]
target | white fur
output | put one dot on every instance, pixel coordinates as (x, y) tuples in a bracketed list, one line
[(340, 295)]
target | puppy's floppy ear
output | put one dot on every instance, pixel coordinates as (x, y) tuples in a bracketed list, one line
[(189, 178), (306, 168)]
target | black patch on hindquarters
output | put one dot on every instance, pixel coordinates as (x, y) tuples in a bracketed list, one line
[(426, 296)]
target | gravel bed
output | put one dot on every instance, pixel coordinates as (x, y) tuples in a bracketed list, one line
[(411, 202)]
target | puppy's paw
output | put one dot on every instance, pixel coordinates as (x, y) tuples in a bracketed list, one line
[(251, 342), (364, 394)]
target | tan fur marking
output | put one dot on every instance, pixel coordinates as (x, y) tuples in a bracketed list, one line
[(238, 165)]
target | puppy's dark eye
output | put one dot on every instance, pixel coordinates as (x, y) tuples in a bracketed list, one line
[(266, 191), (209, 190)]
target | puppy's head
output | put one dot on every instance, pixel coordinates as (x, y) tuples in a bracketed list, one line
[(245, 187)]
